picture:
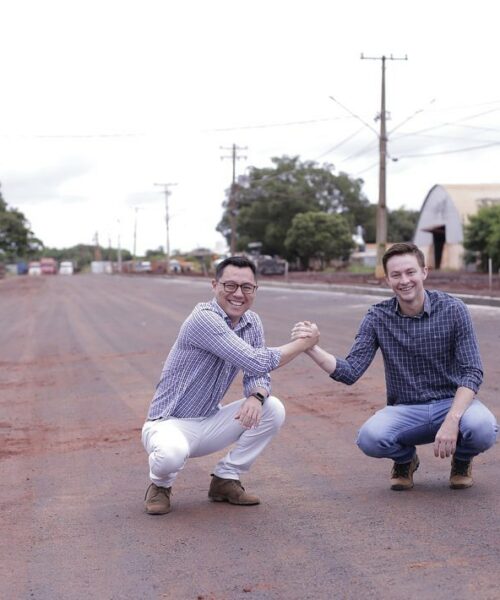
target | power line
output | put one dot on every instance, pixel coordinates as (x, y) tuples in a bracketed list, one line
[(367, 169), (451, 137), (65, 136), (270, 125), (448, 123), (354, 115), (469, 149), (341, 143)]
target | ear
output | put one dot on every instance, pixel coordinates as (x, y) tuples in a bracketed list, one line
[(214, 284), (425, 271)]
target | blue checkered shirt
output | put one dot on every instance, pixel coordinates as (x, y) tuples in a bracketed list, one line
[(426, 357), (205, 359)]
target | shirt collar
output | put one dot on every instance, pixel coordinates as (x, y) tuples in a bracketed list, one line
[(243, 322), (425, 310)]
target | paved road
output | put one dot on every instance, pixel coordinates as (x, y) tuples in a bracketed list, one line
[(80, 357)]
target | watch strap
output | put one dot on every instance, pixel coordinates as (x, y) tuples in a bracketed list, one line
[(260, 397)]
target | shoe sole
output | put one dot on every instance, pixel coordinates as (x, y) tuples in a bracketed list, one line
[(398, 487), (222, 499), (152, 511), (461, 486)]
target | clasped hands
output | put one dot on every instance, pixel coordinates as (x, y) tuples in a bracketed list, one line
[(305, 330)]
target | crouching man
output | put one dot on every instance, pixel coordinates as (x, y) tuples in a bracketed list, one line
[(186, 419), (432, 370)]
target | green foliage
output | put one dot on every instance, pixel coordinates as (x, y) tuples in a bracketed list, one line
[(273, 196), (83, 254), (401, 225), (16, 238), (482, 235), (319, 235)]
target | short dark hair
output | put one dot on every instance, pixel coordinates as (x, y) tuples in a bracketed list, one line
[(403, 248), (236, 261)]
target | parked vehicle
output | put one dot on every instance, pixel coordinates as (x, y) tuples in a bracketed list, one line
[(34, 268), (48, 266), (269, 265), (22, 268), (66, 268), (266, 265), (142, 266)]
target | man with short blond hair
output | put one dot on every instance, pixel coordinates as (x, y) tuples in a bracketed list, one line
[(433, 372)]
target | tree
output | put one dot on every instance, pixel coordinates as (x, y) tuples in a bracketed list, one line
[(401, 225), (319, 235), (83, 254), (16, 238), (482, 235), (268, 199)]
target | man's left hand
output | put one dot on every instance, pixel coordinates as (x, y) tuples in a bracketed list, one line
[(249, 413), (445, 441)]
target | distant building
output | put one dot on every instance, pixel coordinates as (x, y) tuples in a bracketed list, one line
[(445, 211)]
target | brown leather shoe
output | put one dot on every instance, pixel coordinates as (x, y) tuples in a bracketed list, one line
[(461, 474), (230, 490), (402, 474), (157, 500)]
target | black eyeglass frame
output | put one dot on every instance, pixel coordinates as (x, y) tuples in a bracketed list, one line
[(251, 289)]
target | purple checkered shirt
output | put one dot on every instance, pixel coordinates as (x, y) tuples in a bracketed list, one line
[(426, 357), (205, 359)]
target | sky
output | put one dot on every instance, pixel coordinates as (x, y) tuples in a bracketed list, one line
[(102, 100)]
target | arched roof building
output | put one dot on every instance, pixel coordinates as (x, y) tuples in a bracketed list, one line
[(445, 211)]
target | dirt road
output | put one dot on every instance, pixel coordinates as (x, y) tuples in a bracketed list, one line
[(79, 359)]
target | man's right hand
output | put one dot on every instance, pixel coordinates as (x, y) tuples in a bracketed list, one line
[(305, 335), (307, 331)]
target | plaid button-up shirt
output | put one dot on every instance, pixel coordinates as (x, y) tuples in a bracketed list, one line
[(426, 357), (205, 359)]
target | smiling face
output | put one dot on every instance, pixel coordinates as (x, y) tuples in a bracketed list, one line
[(406, 279), (234, 304)]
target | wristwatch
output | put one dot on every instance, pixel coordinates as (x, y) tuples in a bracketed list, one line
[(260, 397)]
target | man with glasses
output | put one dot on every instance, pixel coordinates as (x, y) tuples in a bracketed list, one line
[(186, 419)]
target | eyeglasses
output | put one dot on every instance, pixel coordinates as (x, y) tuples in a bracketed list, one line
[(231, 287)]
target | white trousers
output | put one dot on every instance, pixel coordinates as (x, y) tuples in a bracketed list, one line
[(170, 442)]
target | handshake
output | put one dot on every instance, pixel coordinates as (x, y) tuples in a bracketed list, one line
[(306, 331)]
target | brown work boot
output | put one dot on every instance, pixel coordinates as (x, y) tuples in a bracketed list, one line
[(461, 474), (402, 474), (230, 490), (157, 500)]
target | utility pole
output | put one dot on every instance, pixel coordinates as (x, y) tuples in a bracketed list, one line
[(232, 194), (381, 231), (135, 230), (119, 249), (97, 248), (167, 193)]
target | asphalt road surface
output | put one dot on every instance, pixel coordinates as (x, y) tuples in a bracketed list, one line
[(80, 357)]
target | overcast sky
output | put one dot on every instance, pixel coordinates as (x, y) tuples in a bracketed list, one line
[(102, 99)]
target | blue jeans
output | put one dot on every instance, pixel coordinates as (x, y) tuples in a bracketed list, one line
[(394, 431)]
